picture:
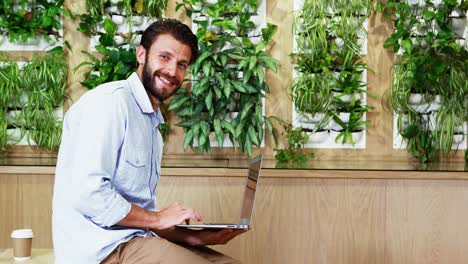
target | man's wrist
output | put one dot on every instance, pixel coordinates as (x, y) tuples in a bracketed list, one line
[(152, 220)]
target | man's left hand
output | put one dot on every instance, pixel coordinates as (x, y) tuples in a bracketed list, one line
[(207, 237)]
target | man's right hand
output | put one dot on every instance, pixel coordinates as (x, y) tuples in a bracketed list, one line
[(173, 215)]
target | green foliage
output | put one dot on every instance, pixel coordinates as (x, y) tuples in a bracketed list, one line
[(297, 139), (3, 134), (115, 64), (115, 61), (328, 62), (431, 64), (23, 20), (229, 76), (36, 90)]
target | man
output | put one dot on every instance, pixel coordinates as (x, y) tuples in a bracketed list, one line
[(109, 165)]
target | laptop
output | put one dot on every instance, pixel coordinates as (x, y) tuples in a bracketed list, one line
[(247, 203)]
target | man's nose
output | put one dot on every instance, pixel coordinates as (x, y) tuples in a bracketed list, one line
[(171, 69)]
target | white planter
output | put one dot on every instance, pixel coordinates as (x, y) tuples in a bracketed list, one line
[(462, 129), (119, 40), (16, 138), (96, 73), (357, 136), (118, 19), (10, 116), (416, 98), (429, 120), (339, 43), (412, 2), (112, 9), (459, 25), (137, 20), (309, 126), (346, 98), (344, 117), (458, 138), (135, 40), (309, 118), (421, 108), (231, 116), (318, 137)]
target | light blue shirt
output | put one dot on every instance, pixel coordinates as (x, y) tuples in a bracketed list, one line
[(109, 158)]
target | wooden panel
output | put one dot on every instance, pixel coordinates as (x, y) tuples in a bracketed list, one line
[(26, 203), (427, 222), (333, 220), (295, 221), (364, 219), (9, 203)]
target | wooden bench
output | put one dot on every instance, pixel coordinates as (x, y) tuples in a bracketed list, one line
[(39, 256)]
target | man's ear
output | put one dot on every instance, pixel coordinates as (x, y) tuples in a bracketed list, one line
[(140, 54)]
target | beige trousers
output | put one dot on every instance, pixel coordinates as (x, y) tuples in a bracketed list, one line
[(151, 250)]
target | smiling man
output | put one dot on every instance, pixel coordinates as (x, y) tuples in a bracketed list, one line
[(109, 164)]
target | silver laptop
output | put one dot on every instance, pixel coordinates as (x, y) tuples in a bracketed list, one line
[(247, 203)]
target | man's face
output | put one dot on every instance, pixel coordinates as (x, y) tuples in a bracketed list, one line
[(165, 65)]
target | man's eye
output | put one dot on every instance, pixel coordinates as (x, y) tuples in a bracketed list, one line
[(164, 57), (183, 66)]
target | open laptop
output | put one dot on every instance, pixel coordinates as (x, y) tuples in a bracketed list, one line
[(247, 203)]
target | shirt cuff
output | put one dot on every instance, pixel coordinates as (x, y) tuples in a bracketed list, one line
[(115, 211)]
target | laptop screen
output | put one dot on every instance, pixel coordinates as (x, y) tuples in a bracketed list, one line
[(250, 189)]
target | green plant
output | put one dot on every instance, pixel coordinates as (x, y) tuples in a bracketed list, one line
[(297, 139), (25, 19), (42, 127), (228, 76), (45, 80), (354, 124), (115, 64), (312, 93), (328, 62), (40, 85), (10, 82), (115, 61), (431, 64), (3, 134)]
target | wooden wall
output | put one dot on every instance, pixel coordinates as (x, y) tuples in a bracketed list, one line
[(380, 61), (300, 216)]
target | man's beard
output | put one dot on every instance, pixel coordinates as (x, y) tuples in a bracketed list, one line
[(150, 84)]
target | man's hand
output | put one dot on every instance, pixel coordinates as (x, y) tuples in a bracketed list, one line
[(213, 237), (173, 215)]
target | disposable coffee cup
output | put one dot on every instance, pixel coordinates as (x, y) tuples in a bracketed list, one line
[(22, 242)]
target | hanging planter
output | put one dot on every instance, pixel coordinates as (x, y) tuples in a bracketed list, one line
[(318, 136)]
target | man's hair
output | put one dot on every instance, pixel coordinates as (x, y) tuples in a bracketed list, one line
[(176, 29)]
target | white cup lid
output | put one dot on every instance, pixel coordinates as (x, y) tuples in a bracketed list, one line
[(22, 233)]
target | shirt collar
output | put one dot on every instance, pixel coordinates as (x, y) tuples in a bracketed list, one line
[(141, 97), (140, 94)]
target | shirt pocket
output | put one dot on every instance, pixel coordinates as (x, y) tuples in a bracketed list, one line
[(135, 171)]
